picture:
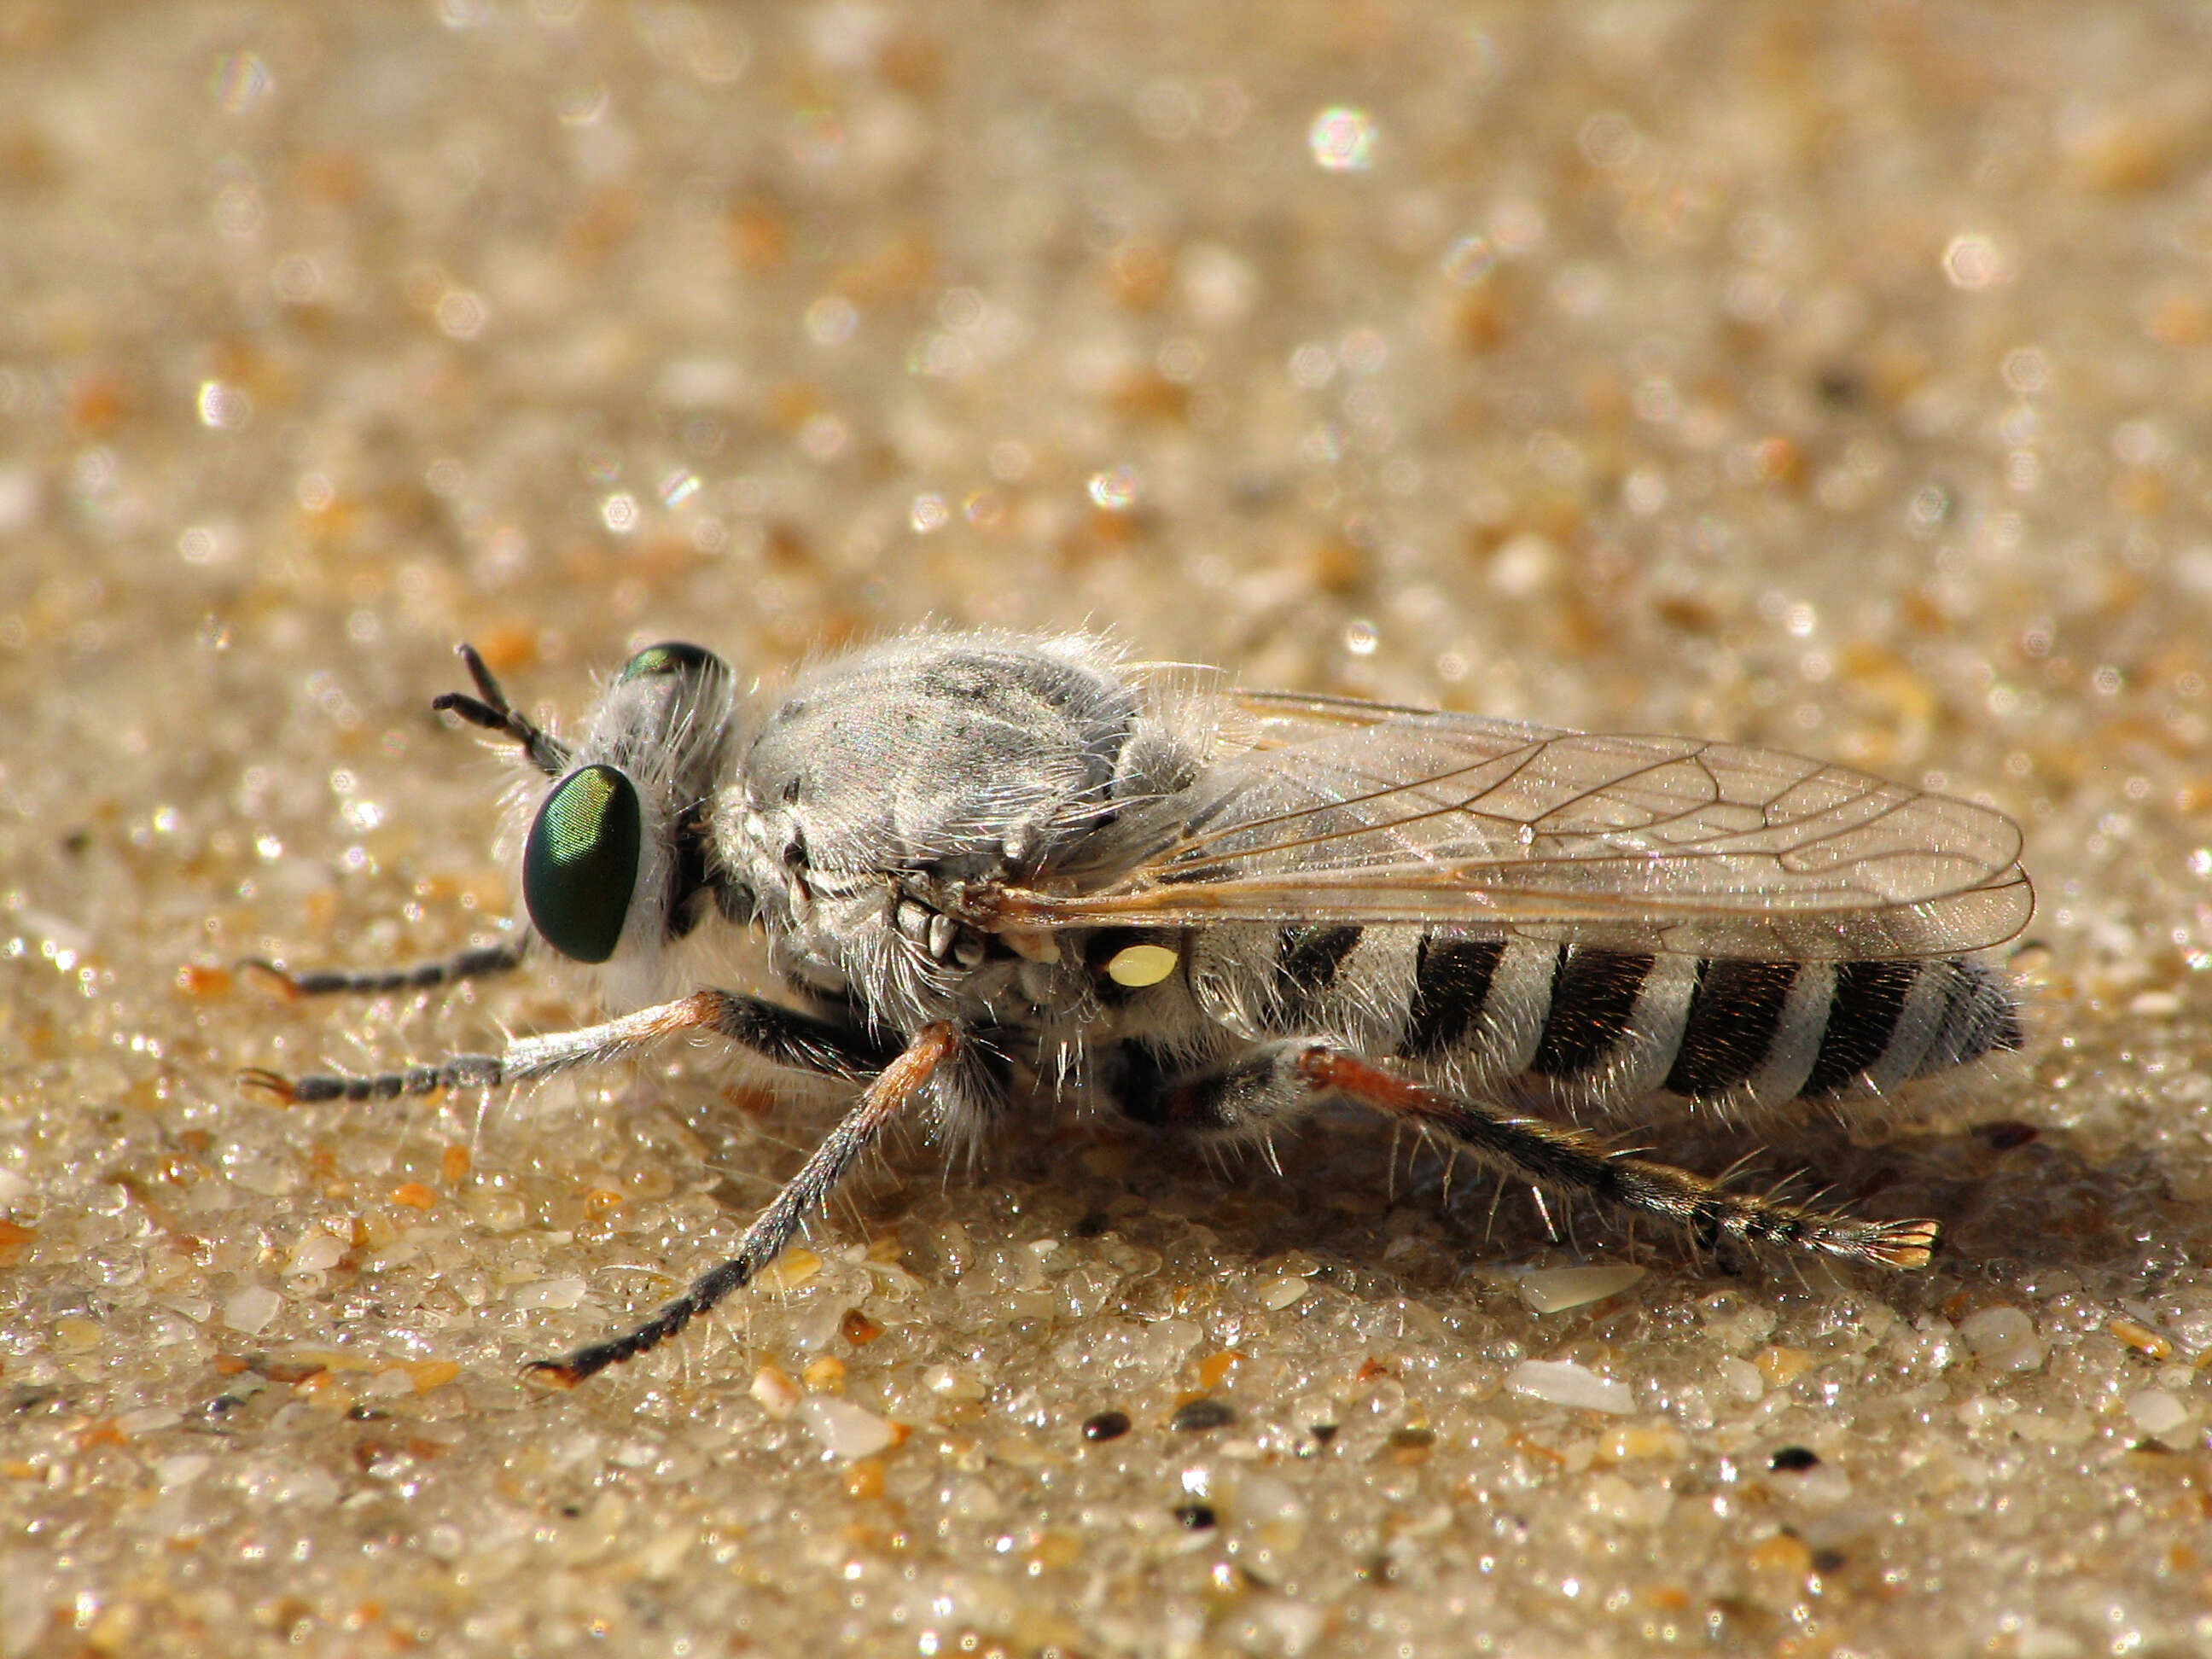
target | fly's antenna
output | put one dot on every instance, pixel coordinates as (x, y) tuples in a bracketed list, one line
[(493, 713)]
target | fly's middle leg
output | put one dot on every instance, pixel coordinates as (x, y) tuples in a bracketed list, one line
[(780, 1035), (1276, 1084), (894, 1086)]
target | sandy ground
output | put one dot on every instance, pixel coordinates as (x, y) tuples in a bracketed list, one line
[(1838, 382)]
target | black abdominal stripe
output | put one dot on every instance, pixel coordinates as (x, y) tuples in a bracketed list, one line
[(1611, 1026)]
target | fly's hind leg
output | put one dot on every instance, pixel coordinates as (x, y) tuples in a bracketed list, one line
[(1280, 1083)]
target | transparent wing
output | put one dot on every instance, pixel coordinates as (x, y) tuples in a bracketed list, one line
[(1348, 811)]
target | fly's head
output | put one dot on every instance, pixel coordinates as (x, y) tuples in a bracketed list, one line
[(890, 787), (617, 862)]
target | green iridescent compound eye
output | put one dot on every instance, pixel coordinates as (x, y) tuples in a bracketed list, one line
[(580, 865), (670, 657)]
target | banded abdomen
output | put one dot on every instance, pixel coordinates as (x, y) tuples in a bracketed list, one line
[(1604, 1027)]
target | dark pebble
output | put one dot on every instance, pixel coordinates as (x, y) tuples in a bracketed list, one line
[(1197, 1516), (1203, 1413), (1107, 1426), (1794, 1460), (1842, 387)]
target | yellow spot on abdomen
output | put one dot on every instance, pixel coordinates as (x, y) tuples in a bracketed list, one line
[(1140, 965)]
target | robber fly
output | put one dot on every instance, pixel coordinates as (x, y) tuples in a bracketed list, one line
[(990, 865)]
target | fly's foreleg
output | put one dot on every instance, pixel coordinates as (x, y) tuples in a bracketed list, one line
[(1283, 1080), (479, 962), (780, 1035)]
